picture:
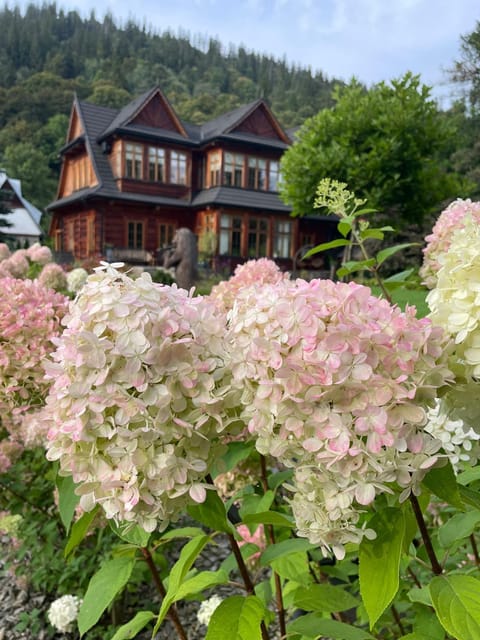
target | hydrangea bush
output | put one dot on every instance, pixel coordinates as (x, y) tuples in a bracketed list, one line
[(30, 316), (329, 436)]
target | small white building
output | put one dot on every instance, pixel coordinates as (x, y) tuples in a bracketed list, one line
[(24, 217)]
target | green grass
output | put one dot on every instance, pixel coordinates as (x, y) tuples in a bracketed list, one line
[(413, 297)]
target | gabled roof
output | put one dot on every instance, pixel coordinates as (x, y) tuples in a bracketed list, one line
[(23, 219), (231, 122), (128, 116)]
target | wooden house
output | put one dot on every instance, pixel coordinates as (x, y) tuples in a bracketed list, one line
[(130, 178)]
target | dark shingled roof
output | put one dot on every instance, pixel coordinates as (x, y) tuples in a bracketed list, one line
[(233, 197)]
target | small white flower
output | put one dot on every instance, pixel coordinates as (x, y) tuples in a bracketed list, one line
[(63, 612), (207, 607)]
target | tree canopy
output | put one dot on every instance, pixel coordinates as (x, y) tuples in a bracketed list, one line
[(388, 144)]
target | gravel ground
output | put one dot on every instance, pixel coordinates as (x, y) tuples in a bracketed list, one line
[(15, 601)]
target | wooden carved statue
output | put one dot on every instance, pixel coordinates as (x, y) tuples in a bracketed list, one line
[(184, 257)]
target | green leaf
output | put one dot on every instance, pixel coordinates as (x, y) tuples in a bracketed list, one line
[(459, 526), (365, 211), (200, 582), (293, 567), (355, 265), (136, 624), (278, 478), (380, 562), (67, 500), (269, 517), (236, 452), (400, 277), (384, 254), (237, 618), (79, 531), (133, 534), (188, 555), (377, 234), (456, 599), (344, 227), (470, 497), (313, 625), (421, 596), (211, 513), (441, 481), (325, 246), (182, 532), (285, 547), (324, 597), (102, 589), (469, 475)]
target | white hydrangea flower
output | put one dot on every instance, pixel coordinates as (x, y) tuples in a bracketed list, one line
[(460, 443), (63, 612), (206, 609), (76, 279)]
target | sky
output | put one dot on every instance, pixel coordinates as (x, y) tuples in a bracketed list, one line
[(373, 40)]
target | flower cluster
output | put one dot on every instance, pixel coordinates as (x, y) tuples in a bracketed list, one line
[(140, 396), (63, 612), (335, 383), (76, 278), (454, 303), (52, 275), (30, 316), (36, 261), (207, 608), (460, 443), (438, 242), (252, 273)]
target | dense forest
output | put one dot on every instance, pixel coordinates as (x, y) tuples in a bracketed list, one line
[(48, 54)]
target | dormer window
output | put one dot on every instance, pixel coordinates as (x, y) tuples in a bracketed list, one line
[(178, 167), (133, 161), (233, 169), (257, 173)]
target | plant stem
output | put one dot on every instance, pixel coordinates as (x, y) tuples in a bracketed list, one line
[(436, 568), (249, 587), (172, 613), (373, 270), (278, 583), (473, 542), (398, 620)]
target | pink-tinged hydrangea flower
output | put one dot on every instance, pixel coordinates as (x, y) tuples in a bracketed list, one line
[(257, 538), (438, 242), (337, 380), (16, 265), (4, 251), (455, 303), (52, 275), (140, 397), (30, 317), (252, 273), (76, 278), (39, 253)]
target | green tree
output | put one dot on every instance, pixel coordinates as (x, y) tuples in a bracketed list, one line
[(467, 69), (390, 144), (27, 163)]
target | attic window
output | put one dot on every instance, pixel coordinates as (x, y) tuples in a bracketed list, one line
[(178, 167), (156, 164), (133, 161)]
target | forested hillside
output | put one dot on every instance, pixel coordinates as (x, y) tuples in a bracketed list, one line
[(47, 54)]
